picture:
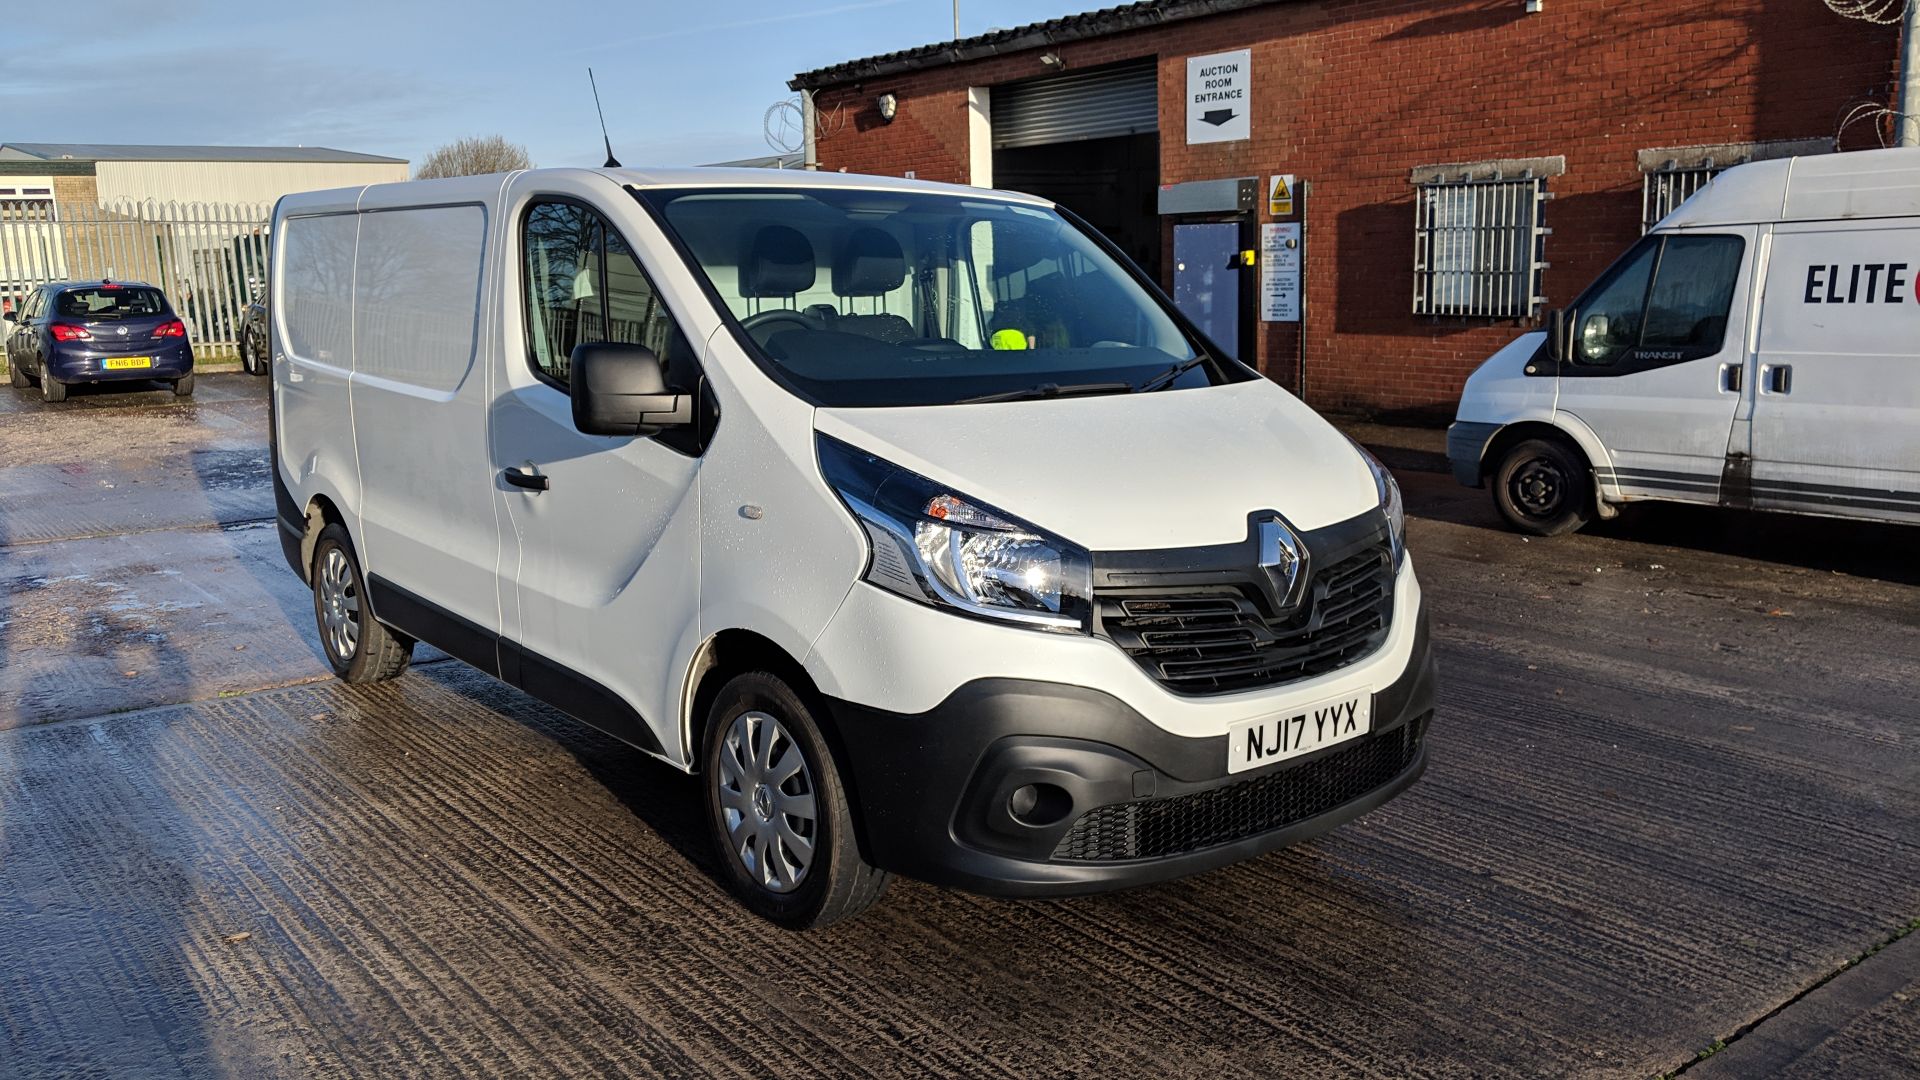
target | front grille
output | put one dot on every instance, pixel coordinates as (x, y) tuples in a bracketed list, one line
[(1154, 828), (1219, 639)]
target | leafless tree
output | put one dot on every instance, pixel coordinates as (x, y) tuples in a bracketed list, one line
[(472, 156)]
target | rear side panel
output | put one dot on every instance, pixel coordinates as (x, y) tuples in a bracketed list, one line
[(311, 336), (1836, 415)]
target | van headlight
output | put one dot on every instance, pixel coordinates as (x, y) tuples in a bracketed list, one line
[(934, 545), (1390, 504)]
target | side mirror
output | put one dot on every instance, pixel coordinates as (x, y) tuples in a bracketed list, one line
[(621, 389), (1557, 335), (9, 316)]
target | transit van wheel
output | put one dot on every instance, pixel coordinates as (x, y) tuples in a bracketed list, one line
[(183, 386), (777, 808), (51, 389), (1543, 487), (360, 649)]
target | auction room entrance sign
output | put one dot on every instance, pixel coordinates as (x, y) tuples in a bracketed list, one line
[(1220, 97)]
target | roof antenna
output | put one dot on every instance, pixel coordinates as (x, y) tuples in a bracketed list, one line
[(612, 162)]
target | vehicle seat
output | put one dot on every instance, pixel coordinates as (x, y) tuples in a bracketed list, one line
[(870, 264), (778, 262)]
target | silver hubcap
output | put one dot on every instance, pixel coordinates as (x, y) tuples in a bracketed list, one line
[(766, 802), (339, 605)]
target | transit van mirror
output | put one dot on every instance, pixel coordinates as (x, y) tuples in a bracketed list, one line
[(621, 389), (1593, 337), (1556, 320)]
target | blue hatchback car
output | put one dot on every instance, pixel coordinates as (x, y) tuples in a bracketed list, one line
[(97, 332)]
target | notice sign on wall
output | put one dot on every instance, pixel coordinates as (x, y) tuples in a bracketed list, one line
[(1280, 272), (1219, 97)]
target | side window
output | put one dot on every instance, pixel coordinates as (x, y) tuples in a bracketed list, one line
[(585, 285), (1692, 290), (1611, 312), (561, 266)]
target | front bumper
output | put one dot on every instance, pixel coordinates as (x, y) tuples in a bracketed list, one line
[(1124, 802), (86, 366), (1467, 442)]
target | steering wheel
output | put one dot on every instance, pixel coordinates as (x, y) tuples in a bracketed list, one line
[(763, 326)]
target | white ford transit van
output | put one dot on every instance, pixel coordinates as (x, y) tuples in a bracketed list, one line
[(1759, 348), (910, 517)]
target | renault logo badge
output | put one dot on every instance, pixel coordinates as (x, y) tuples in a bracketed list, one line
[(1279, 556)]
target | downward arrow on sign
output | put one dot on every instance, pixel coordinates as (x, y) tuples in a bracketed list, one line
[(1216, 117)]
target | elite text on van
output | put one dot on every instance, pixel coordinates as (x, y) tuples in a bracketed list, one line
[(1757, 349), (910, 517)]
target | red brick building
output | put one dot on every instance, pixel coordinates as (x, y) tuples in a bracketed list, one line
[(1448, 147)]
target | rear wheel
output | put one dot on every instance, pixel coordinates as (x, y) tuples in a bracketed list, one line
[(51, 389), (1543, 487), (360, 649), (183, 386), (778, 811)]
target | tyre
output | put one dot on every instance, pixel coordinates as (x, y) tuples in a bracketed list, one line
[(1543, 487), (360, 649), (777, 808), (18, 376), (183, 386), (52, 389), (246, 356)]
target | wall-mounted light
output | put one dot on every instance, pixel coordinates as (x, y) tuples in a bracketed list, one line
[(889, 107), (1051, 59), (1534, 6)]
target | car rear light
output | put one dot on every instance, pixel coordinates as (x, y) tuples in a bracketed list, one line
[(69, 332), (173, 328)]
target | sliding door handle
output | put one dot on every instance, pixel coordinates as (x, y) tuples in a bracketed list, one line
[(1783, 378), (521, 478)]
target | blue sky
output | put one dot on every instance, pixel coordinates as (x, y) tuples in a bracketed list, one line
[(683, 83)]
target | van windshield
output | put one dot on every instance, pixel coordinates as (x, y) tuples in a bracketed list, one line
[(872, 298)]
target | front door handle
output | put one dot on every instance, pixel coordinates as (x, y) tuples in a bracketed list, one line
[(1730, 377), (521, 478)]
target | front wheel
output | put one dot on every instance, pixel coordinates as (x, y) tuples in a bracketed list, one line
[(360, 649), (777, 808), (1542, 487), (18, 375)]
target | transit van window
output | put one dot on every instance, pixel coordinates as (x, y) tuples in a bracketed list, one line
[(1692, 290), (879, 298), (584, 285), (1609, 316), (1665, 302)]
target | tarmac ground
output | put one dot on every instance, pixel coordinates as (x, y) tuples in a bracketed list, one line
[(1673, 807)]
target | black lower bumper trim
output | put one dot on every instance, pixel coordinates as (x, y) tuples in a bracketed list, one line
[(983, 791)]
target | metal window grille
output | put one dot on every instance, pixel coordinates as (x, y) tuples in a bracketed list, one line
[(1667, 188), (1479, 248)]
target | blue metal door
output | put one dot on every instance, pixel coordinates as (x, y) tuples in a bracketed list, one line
[(1206, 280)]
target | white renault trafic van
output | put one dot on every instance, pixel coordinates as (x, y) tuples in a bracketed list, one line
[(910, 517), (1760, 348)]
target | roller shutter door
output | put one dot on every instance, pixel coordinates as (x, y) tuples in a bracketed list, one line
[(1120, 100)]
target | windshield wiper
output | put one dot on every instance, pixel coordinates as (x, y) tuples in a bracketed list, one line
[(1051, 390), (1170, 376)]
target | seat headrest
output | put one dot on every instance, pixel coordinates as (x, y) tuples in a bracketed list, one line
[(778, 262), (869, 264)]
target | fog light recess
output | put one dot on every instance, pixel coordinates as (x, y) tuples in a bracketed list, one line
[(1040, 805)]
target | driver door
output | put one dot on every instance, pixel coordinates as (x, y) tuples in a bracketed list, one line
[(1659, 359), (600, 546)]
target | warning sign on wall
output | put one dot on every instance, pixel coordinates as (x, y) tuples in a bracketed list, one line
[(1220, 97), (1280, 272), (1280, 195)]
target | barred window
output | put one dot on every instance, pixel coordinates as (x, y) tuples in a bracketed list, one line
[(1479, 246), (1664, 191)]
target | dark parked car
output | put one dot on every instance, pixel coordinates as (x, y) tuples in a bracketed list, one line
[(97, 332), (253, 339)]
